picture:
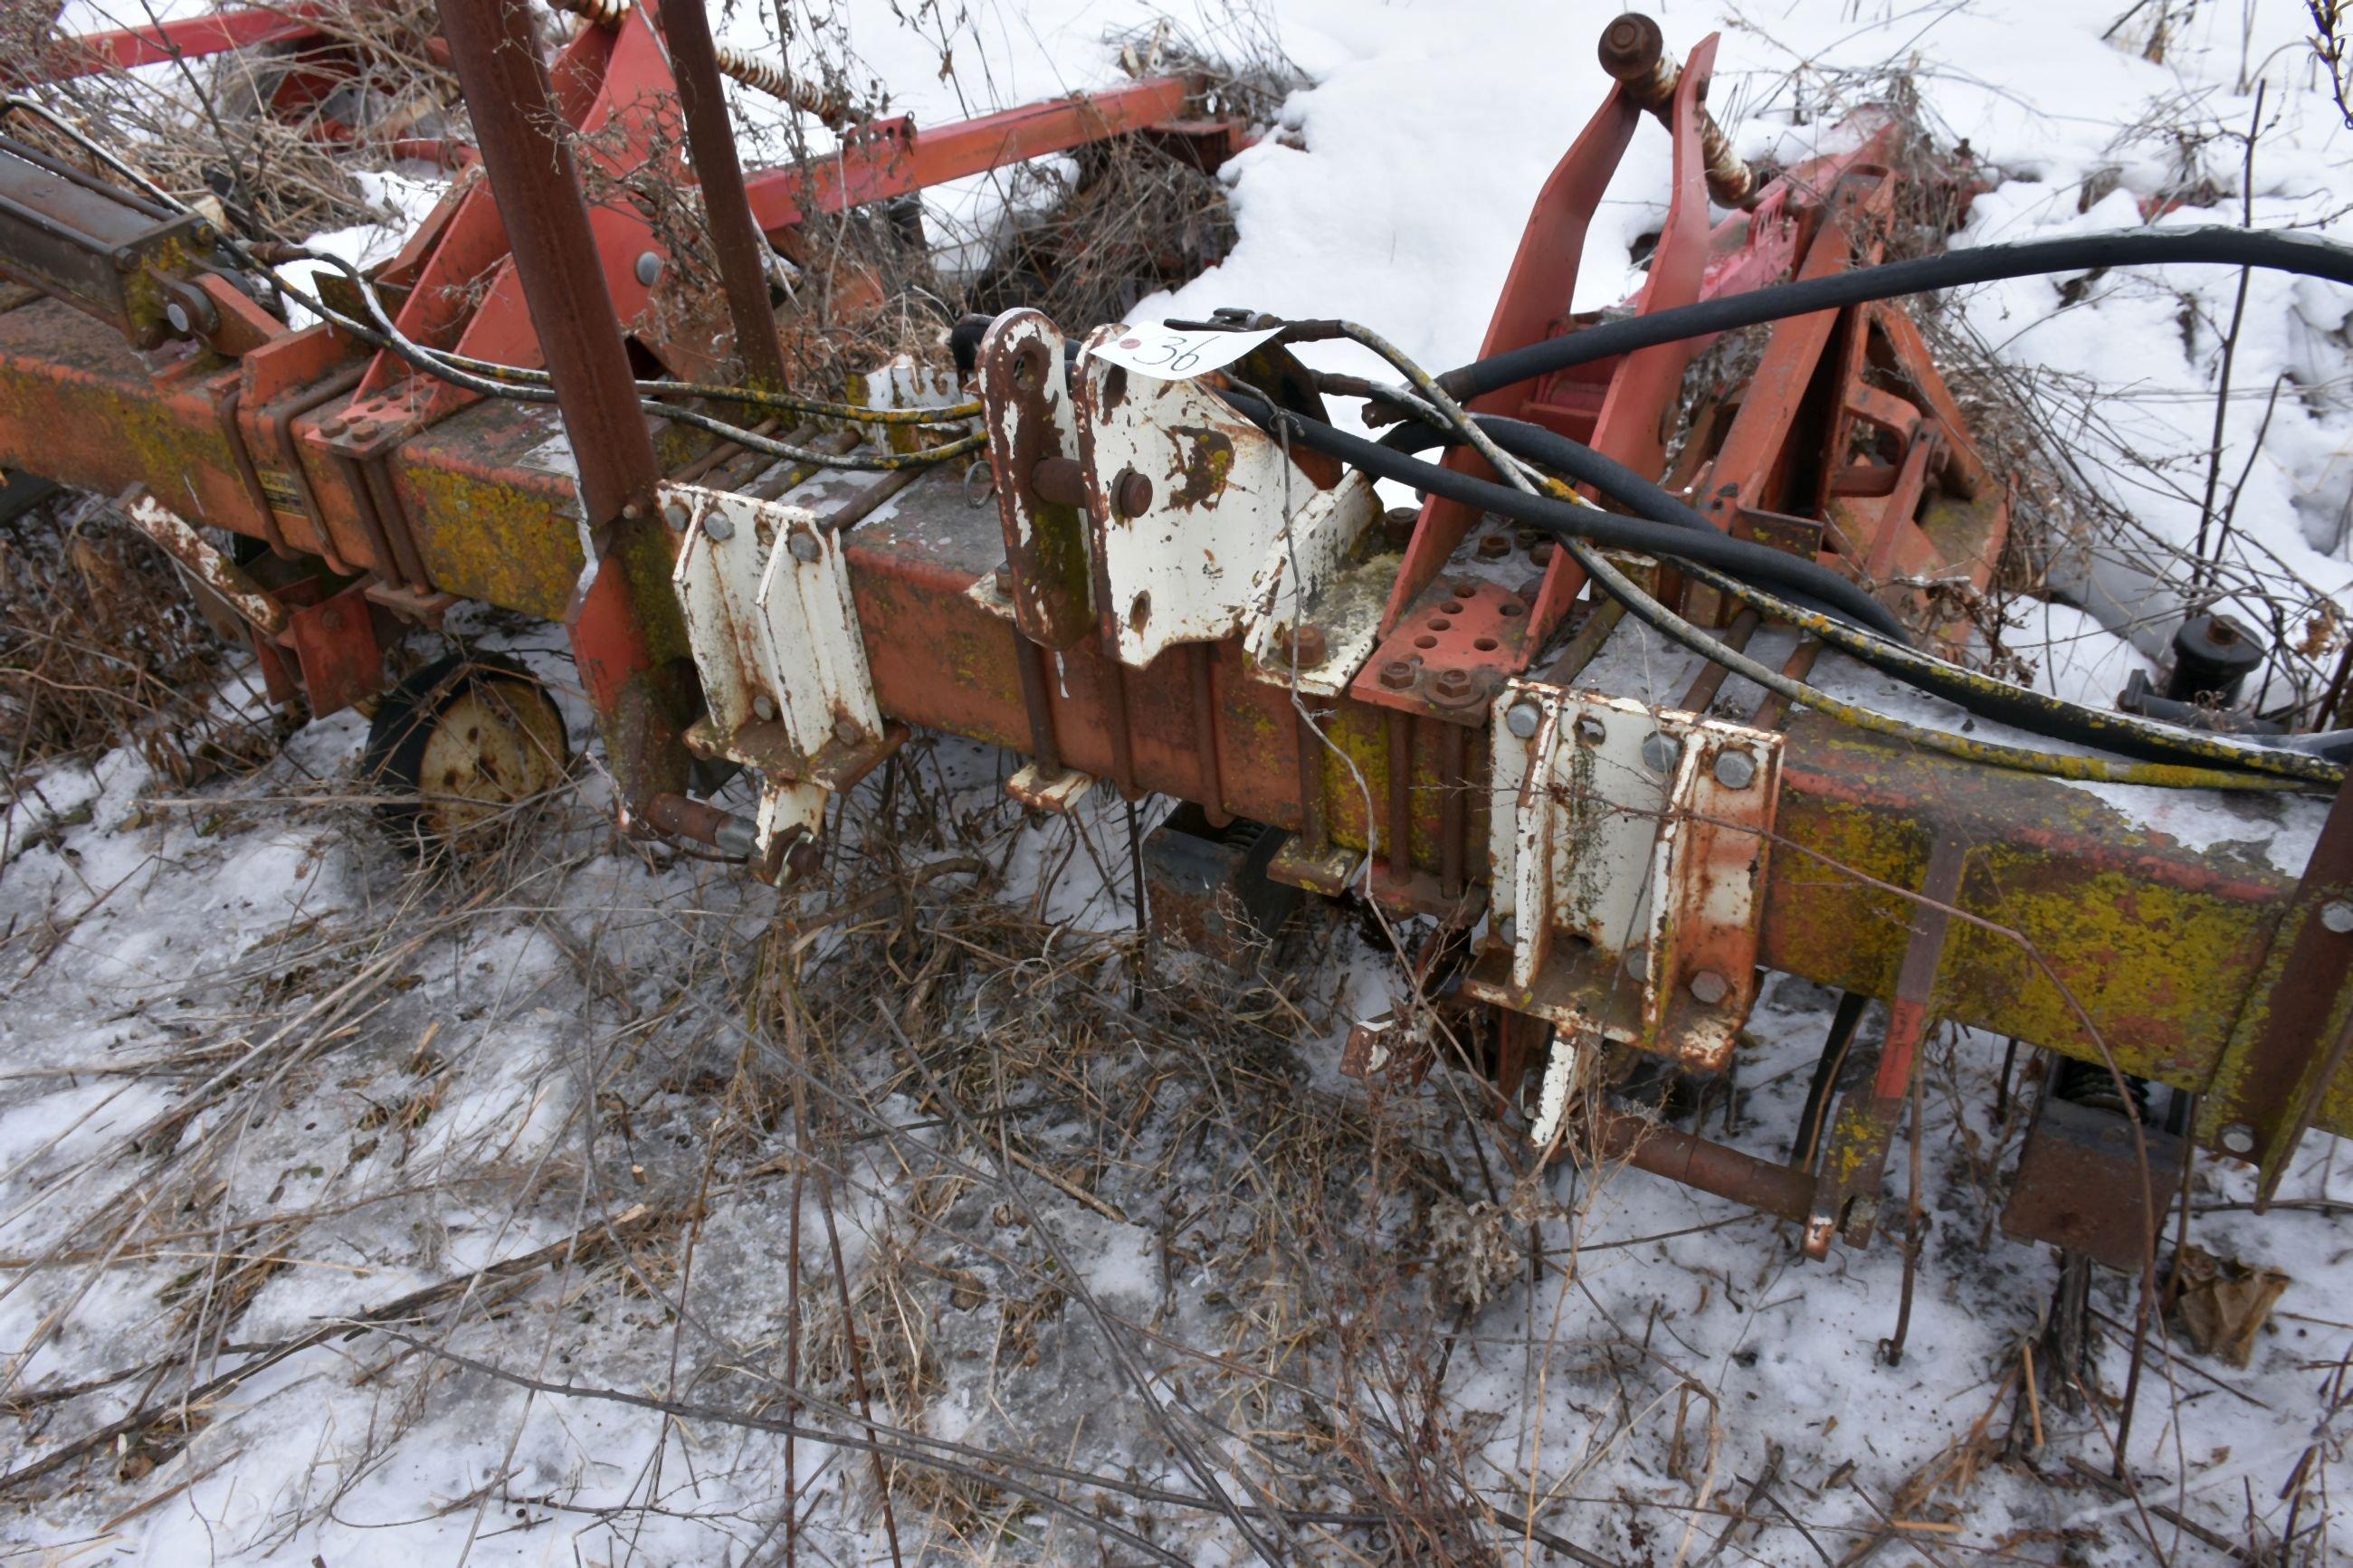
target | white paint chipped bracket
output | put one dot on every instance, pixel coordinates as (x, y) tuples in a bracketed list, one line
[(1184, 499), (1314, 579), (1626, 870), (765, 596)]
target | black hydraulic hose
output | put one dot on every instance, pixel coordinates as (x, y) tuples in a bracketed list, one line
[(1576, 461), (2036, 713), (2307, 256), (1799, 579), (2033, 712), (1570, 459), (2041, 713)]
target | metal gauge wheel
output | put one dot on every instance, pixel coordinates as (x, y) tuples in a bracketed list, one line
[(460, 743)]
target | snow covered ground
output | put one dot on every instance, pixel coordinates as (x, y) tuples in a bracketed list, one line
[(260, 1076)]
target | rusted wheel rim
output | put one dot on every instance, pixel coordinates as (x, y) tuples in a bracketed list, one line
[(492, 744)]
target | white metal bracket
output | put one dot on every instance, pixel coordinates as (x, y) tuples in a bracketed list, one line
[(1316, 600), (1185, 497), (1628, 850), (766, 596)]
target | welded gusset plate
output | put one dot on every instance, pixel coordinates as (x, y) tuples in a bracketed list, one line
[(766, 596), (1026, 404), (1186, 498), (1627, 855), (1316, 604)]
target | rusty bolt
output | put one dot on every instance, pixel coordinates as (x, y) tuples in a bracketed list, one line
[(1661, 752), (1710, 987), (719, 526), (844, 731), (1630, 46), (1734, 769), (804, 857), (1522, 719), (2239, 1138), (1060, 481), (1003, 575), (1495, 547), (1541, 551), (1131, 493), (805, 547), (1396, 675), (1397, 524), (1308, 644), (1452, 681), (333, 425), (764, 707)]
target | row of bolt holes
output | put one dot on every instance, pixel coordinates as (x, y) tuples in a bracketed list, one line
[(1454, 606)]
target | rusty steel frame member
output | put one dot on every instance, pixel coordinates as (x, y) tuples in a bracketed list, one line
[(2069, 919)]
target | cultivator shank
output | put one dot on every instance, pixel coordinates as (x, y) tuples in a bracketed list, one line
[(1436, 711)]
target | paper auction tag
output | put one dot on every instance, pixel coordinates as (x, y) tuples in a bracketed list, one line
[(1174, 354)]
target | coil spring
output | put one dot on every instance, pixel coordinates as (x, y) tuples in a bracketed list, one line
[(766, 76)]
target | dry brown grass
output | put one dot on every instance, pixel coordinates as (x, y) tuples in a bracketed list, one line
[(101, 643)]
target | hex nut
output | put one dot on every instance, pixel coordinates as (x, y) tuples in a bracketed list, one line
[(1710, 987), (676, 515), (719, 526), (2336, 915), (1661, 751), (2239, 1137), (1522, 719), (805, 547), (1734, 769), (1495, 547), (1396, 675)]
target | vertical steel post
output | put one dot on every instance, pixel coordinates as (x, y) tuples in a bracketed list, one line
[(624, 621), (711, 144), (2296, 1029)]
